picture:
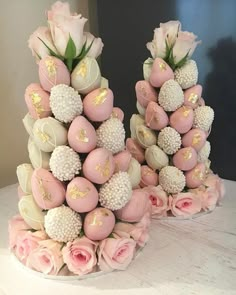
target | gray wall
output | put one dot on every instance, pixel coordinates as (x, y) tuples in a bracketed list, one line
[(18, 19)]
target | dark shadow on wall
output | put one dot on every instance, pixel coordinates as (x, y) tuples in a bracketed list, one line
[(220, 94), (125, 27)]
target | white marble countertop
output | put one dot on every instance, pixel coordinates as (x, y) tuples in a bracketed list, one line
[(183, 257)]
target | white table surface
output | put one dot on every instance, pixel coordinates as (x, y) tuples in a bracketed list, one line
[(183, 257)]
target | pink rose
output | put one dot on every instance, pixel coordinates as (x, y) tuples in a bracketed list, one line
[(80, 255), (214, 181), (16, 226), (159, 200), (115, 253), (171, 29), (137, 231), (64, 25), (207, 195), (184, 46), (166, 33), (185, 204), (39, 50), (26, 242), (46, 258), (97, 46), (209, 199)]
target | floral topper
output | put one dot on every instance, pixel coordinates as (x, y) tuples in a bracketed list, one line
[(64, 37), (172, 44)]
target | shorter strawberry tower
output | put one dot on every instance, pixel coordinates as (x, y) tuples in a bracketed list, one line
[(169, 135), (78, 211)]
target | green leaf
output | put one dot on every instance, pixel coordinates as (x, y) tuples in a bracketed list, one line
[(63, 244), (182, 61), (69, 63), (29, 229), (82, 50), (185, 189), (81, 233), (50, 50), (85, 50), (111, 236), (167, 51), (62, 267), (149, 62), (70, 52), (39, 57), (170, 59)]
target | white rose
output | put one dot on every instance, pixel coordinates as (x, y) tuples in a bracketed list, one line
[(97, 46), (185, 45), (39, 50), (158, 46), (171, 30), (166, 33), (64, 25)]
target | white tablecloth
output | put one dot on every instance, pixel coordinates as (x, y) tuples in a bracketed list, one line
[(183, 257)]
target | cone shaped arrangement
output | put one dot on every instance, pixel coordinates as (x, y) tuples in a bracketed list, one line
[(80, 210), (169, 133)]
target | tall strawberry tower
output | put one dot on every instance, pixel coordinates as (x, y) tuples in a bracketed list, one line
[(169, 134), (78, 211)]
